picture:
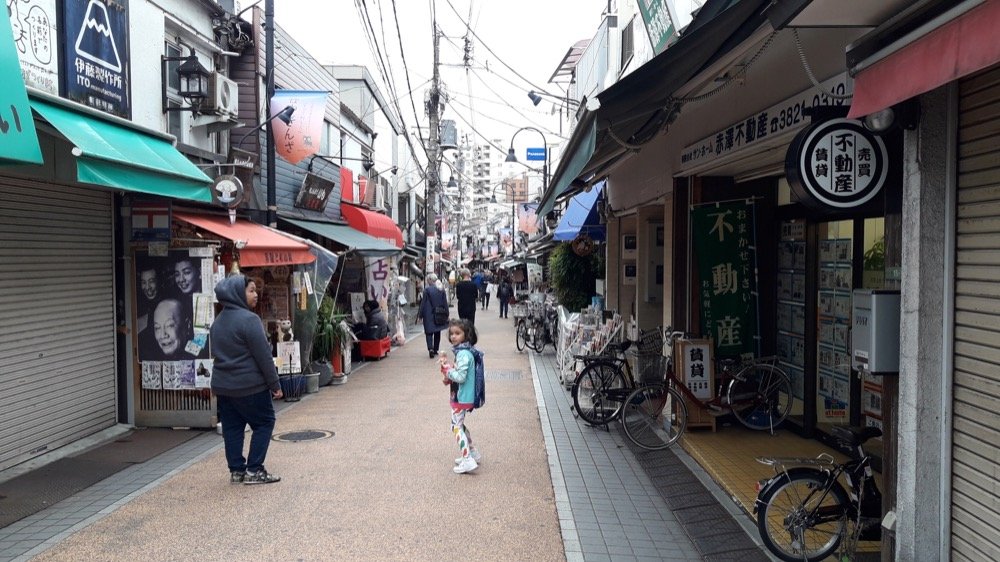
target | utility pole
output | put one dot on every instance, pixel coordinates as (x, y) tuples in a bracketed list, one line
[(272, 197), (433, 150)]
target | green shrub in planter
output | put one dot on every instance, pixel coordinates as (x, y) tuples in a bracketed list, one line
[(573, 277)]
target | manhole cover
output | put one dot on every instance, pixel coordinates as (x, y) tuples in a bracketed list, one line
[(302, 435), (502, 374)]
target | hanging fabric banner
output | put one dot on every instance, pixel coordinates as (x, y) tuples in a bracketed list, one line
[(527, 218), (725, 250), (298, 136)]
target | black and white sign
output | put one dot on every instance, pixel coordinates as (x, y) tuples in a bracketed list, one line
[(837, 163), (227, 190)]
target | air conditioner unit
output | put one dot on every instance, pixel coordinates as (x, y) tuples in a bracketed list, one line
[(223, 96)]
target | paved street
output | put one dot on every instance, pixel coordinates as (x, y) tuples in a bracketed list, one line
[(381, 488)]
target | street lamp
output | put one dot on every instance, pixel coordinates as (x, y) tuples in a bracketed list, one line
[(512, 157), (536, 98)]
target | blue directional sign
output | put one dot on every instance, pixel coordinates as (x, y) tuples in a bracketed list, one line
[(536, 153)]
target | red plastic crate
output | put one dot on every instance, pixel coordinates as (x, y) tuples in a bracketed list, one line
[(375, 349)]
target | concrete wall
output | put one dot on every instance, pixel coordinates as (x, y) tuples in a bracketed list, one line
[(923, 470)]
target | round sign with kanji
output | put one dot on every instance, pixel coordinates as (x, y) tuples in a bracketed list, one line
[(837, 163)]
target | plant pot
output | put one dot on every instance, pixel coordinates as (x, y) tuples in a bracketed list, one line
[(337, 360), (325, 371), (312, 383), (338, 378)]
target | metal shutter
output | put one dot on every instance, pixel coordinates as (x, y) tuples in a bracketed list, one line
[(975, 528), (57, 333)]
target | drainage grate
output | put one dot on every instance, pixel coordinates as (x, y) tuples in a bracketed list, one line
[(302, 435), (502, 374)]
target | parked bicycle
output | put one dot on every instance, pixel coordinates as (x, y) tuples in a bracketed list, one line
[(804, 513), (538, 327), (607, 379), (756, 391)]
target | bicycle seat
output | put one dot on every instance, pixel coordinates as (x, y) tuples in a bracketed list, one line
[(617, 347), (855, 436)]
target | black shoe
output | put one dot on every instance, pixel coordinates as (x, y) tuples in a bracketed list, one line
[(261, 477), (431, 353), (237, 477)]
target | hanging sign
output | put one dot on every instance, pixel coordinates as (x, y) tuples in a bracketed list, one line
[(314, 193), (836, 163), (725, 251), (96, 69), (659, 25), (35, 35), (227, 191), (300, 136), (18, 140)]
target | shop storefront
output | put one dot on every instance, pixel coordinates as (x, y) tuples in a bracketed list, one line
[(174, 280), (59, 231)]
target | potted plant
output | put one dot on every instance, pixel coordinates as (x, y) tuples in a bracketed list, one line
[(331, 334)]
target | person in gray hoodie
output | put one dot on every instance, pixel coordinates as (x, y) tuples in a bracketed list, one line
[(244, 380)]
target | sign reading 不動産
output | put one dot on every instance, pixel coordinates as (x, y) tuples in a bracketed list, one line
[(756, 129)]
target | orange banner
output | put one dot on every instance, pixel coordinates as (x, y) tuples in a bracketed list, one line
[(297, 136)]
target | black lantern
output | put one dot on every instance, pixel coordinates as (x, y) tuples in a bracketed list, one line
[(194, 81)]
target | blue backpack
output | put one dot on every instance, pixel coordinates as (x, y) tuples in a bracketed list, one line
[(480, 379)]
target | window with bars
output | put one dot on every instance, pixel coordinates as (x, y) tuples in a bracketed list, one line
[(628, 43)]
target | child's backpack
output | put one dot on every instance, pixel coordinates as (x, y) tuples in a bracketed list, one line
[(480, 379)]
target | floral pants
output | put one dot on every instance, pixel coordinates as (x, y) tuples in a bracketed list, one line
[(462, 435)]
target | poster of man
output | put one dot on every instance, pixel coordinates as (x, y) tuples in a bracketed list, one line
[(166, 290)]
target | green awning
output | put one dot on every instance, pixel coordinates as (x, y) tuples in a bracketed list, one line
[(355, 240), (120, 157), (577, 157)]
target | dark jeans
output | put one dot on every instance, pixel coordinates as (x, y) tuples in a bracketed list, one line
[(504, 305), (433, 341), (235, 413), (485, 298)]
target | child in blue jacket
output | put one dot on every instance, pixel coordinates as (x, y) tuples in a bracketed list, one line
[(461, 377)]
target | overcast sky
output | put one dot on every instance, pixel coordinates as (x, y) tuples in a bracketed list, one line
[(528, 40)]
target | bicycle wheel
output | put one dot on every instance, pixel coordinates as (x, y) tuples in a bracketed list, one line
[(798, 521), (537, 341), (597, 392), (761, 396), (654, 417), (521, 338)]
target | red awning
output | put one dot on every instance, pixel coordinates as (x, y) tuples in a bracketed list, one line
[(956, 49), (264, 247), (373, 224)]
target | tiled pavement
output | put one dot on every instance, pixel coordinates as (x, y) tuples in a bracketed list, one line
[(608, 506)]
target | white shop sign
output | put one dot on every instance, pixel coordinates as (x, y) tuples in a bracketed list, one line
[(755, 129)]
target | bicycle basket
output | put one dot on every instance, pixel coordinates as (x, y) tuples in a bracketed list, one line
[(650, 368), (650, 342)]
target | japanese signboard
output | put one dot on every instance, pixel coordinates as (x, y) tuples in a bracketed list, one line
[(18, 140), (695, 367), (837, 163), (34, 26), (96, 57), (726, 253), (757, 129), (299, 137), (314, 193), (659, 24), (378, 272)]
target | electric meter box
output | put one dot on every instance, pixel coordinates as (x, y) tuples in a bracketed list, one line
[(875, 331)]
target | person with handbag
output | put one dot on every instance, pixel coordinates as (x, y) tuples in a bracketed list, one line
[(504, 295), (434, 313)]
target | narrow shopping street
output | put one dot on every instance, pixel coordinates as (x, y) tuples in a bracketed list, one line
[(381, 487)]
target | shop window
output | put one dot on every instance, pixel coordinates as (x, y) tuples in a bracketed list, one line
[(784, 192), (873, 259), (834, 289)]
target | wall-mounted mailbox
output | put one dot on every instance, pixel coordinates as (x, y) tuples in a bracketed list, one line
[(875, 333)]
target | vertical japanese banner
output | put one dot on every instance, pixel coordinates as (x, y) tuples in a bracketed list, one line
[(300, 135), (378, 273), (725, 250)]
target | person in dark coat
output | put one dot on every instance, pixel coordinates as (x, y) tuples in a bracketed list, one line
[(504, 293), (244, 380), (376, 326), (466, 293), (433, 297)]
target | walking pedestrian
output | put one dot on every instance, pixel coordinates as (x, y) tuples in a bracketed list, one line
[(461, 377), (434, 313), (491, 289), (244, 380), (467, 295), (504, 294)]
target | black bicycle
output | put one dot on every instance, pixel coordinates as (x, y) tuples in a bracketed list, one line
[(804, 513)]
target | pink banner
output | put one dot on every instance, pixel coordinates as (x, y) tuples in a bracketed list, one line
[(298, 136), (527, 218)]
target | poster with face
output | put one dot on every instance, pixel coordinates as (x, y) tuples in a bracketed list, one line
[(166, 290)]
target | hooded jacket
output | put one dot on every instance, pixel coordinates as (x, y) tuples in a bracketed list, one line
[(243, 363)]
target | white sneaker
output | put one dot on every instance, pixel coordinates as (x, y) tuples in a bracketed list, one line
[(467, 465), (475, 456)]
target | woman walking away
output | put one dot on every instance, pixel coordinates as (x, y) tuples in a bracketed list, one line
[(461, 377), (244, 380), (504, 294), (491, 289), (434, 313)]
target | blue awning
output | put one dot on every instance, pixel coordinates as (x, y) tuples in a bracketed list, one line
[(581, 216)]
